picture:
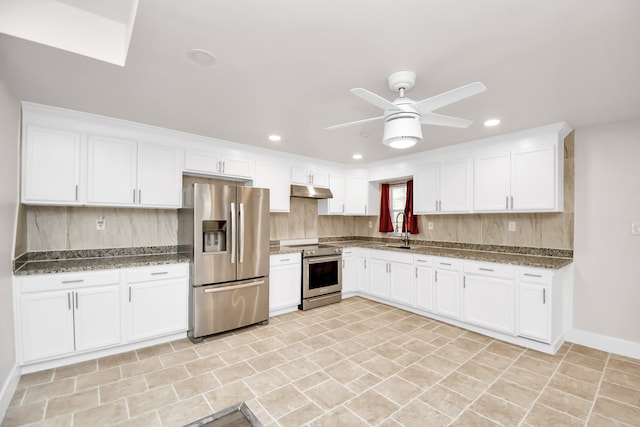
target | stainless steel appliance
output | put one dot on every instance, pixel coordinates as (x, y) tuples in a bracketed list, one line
[(225, 230), (321, 275)]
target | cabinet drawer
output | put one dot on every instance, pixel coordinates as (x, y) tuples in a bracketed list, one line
[(284, 259), (391, 256), (156, 272), (447, 263), (422, 261), (489, 269), (49, 282), (535, 275)]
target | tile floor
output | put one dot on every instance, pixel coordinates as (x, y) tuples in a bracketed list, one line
[(356, 363)]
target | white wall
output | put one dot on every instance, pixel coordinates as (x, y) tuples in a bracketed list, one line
[(9, 143), (607, 255)]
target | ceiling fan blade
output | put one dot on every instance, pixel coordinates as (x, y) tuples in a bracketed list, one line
[(440, 120), (374, 99), (357, 122), (446, 98)]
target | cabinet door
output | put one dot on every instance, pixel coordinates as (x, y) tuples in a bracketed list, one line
[(285, 283), (111, 171), (455, 187), (534, 179), (356, 195), (363, 274), (489, 302), (534, 311), (159, 176), (447, 293), (276, 179), (51, 167), (425, 189), (97, 317), (46, 325), (402, 286), (157, 308), (491, 182), (300, 176), (349, 272), (424, 286), (236, 167), (379, 277), (200, 162), (336, 205)]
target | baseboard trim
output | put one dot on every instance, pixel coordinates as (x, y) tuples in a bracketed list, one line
[(605, 343), (8, 390)]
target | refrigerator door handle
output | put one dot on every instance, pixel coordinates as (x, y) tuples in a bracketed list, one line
[(241, 233), (232, 249), (233, 287)]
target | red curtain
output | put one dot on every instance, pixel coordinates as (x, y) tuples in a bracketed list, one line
[(386, 224), (409, 218)]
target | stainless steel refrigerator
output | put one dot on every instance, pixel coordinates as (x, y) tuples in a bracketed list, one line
[(225, 230)]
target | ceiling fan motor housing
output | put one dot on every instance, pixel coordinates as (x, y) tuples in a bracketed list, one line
[(402, 130)]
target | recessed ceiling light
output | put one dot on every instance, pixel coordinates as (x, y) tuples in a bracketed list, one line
[(357, 156), (201, 56), (275, 138), (492, 122)]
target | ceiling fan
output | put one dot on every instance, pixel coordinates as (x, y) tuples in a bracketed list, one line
[(403, 117)]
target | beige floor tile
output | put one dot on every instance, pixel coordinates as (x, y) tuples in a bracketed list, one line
[(266, 381), (319, 342), (209, 348), (620, 393), (467, 344), (493, 360), (226, 396), (454, 354), (588, 351), (498, 410), (154, 350), (298, 368), (178, 357), (151, 400), (166, 376), (419, 347), (25, 414), (614, 356), (102, 415), (448, 330), (75, 369), (573, 386), (185, 412), (65, 420), (398, 390), (372, 407), (446, 401), (266, 345), (266, 361), (566, 403), (49, 390), (206, 364), (472, 419), (622, 378), (329, 394), (464, 385), (283, 400), (535, 365), (363, 383), (294, 351), (580, 373), (617, 411), (438, 364), (117, 360), (237, 354), (72, 403), (479, 371), (96, 379), (122, 389), (340, 416), (345, 371), (504, 349), (35, 378), (150, 419), (624, 366), (586, 361), (18, 396), (301, 416), (182, 344), (382, 366), (389, 350), (193, 386), (525, 378), (348, 348), (233, 373), (419, 414), (363, 356), (513, 393), (544, 416), (597, 420), (324, 357), (142, 367)]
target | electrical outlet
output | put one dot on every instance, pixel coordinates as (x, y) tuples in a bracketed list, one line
[(101, 223), (635, 228), (512, 226), (430, 225), (370, 224)]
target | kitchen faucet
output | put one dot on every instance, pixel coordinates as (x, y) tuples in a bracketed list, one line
[(405, 237)]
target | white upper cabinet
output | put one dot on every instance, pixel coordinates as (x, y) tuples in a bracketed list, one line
[(356, 196), (51, 167), (276, 179), (443, 187), (334, 206), (209, 163), (524, 175), (123, 172), (310, 177)]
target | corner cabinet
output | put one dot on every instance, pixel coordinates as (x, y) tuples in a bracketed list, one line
[(51, 166)]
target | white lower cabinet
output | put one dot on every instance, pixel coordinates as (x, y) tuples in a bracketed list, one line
[(285, 282), (65, 314), (488, 296), (423, 266), (157, 301), (378, 274), (350, 271), (363, 271), (391, 276), (536, 301), (60, 314), (447, 287)]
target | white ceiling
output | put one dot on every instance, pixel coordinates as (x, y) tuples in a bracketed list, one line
[(286, 67)]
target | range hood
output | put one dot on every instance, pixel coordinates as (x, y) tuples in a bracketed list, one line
[(310, 192)]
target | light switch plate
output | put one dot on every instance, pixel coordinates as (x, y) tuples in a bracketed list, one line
[(512, 226), (430, 225), (635, 228), (101, 223)]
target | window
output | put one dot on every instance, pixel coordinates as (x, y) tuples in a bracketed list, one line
[(398, 199)]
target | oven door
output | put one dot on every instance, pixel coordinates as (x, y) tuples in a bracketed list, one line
[(321, 275)]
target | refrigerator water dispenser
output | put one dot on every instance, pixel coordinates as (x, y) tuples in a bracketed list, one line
[(214, 236)]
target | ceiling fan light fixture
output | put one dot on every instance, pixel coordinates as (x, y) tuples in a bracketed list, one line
[(402, 130)]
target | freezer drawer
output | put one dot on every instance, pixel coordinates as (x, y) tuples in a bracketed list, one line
[(219, 308)]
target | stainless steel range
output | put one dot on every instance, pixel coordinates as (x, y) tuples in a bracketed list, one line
[(321, 275)]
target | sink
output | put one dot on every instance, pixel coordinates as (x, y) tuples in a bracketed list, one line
[(394, 246)]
